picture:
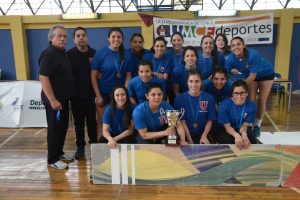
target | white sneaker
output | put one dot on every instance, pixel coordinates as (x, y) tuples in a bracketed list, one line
[(66, 157), (59, 165)]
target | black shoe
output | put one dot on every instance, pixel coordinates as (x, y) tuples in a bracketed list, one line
[(79, 154)]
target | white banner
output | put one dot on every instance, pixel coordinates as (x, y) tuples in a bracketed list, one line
[(21, 105), (257, 29)]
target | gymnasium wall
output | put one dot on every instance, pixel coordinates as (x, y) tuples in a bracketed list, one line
[(24, 37)]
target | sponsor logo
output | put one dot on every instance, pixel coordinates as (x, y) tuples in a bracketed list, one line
[(36, 105), (16, 105)]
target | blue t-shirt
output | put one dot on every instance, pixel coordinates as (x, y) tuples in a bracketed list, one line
[(160, 65), (180, 77), (254, 63), (136, 59), (219, 95), (137, 88), (143, 117), (236, 115), (207, 64), (176, 59), (197, 109), (108, 63), (116, 122)]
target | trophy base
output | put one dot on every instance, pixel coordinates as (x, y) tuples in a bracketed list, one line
[(172, 142)]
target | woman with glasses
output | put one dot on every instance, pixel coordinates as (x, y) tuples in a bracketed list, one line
[(237, 114), (257, 72), (199, 109)]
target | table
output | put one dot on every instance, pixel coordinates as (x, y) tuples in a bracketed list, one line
[(289, 84)]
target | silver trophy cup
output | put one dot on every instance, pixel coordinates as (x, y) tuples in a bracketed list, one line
[(172, 117)]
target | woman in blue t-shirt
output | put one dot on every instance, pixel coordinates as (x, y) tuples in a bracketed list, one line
[(112, 63), (117, 119), (190, 57), (257, 72), (137, 86), (209, 58), (236, 115), (222, 46), (149, 122), (199, 109), (219, 86), (136, 51)]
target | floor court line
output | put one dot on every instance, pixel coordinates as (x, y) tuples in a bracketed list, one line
[(38, 132), (272, 122), (10, 137)]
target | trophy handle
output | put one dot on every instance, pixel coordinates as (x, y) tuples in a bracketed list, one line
[(162, 111), (182, 111)]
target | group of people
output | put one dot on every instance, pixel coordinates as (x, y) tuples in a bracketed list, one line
[(127, 89)]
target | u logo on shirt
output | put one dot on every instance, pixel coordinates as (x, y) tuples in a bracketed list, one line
[(162, 120), (203, 106)]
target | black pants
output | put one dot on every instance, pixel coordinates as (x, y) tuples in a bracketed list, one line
[(57, 130), (224, 138), (84, 110)]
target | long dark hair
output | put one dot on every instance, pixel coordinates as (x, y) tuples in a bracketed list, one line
[(128, 112), (142, 52), (220, 70), (158, 39), (225, 49), (214, 52), (121, 49), (192, 49), (245, 50)]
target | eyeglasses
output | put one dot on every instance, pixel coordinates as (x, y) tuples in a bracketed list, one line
[(242, 94)]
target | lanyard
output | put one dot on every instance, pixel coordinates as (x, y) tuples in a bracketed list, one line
[(195, 112), (154, 65), (117, 115), (117, 67), (207, 68), (241, 116)]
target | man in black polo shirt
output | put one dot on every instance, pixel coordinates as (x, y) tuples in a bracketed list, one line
[(83, 105), (58, 86)]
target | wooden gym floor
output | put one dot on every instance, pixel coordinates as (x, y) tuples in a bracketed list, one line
[(24, 173)]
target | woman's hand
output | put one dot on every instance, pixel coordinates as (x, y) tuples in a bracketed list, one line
[(183, 143), (246, 142), (112, 143), (204, 140), (238, 140), (99, 101)]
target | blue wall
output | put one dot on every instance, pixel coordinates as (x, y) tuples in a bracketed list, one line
[(37, 41), (294, 73), (7, 62)]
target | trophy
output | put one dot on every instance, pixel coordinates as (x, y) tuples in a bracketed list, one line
[(172, 117)]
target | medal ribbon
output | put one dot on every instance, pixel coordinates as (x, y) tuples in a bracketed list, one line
[(195, 113), (241, 116), (116, 65)]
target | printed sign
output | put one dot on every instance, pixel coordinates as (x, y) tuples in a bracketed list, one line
[(257, 29)]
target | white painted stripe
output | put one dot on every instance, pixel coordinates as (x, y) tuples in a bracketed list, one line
[(10, 137), (132, 165), (38, 132), (124, 164), (115, 166), (272, 122)]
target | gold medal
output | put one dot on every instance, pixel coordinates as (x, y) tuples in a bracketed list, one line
[(195, 125), (118, 75)]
